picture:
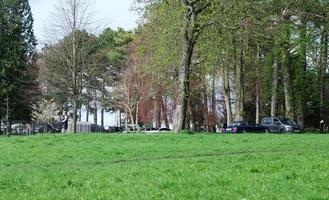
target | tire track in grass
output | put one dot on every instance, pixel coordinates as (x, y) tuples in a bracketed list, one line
[(160, 158)]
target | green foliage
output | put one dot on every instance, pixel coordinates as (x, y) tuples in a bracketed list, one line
[(110, 61), (164, 166), (17, 66), (114, 45), (159, 43), (254, 34)]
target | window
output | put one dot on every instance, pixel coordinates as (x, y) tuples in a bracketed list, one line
[(267, 121), (287, 121), (276, 121)]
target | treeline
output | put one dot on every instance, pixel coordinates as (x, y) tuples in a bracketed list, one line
[(212, 62), (18, 72), (200, 63), (191, 63)]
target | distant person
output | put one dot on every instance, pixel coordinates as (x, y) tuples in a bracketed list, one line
[(64, 121)]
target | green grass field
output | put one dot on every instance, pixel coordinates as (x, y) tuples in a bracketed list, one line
[(170, 166)]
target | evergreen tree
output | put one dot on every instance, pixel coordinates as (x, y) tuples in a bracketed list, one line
[(18, 69)]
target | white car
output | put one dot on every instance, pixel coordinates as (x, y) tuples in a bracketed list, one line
[(159, 130)]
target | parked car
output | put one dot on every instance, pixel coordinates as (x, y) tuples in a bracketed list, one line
[(280, 125), (45, 128), (244, 127), (152, 130), (164, 130), (19, 129), (113, 129)]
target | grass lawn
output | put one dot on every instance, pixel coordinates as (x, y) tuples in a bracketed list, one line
[(166, 166)]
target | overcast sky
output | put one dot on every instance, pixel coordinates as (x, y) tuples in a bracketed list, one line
[(111, 13)]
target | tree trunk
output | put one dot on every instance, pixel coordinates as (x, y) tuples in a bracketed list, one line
[(157, 110), (74, 70), (75, 112), (188, 118), (137, 113), (257, 96), (189, 39), (206, 107), (118, 118), (227, 95), (274, 88), (192, 118), (322, 70), (213, 104), (80, 113), (165, 112), (181, 107), (258, 85), (95, 107), (126, 120), (301, 75), (288, 96), (102, 106), (132, 120), (9, 131), (87, 112), (239, 83), (102, 117)]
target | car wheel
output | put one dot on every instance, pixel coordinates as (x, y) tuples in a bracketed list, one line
[(267, 130), (282, 130)]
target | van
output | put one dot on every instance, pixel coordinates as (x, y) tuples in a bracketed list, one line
[(280, 125)]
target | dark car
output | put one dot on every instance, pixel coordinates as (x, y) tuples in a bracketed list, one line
[(164, 129), (280, 125), (114, 129), (244, 127), (45, 128)]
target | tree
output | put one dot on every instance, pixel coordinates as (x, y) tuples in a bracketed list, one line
[(113, 46), (71, 20), (192, 27), (129, 92), (17, 60)]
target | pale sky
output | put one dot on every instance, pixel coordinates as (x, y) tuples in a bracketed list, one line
[(111, 13)]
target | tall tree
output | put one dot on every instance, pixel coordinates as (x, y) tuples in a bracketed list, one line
[(71, 20), (17, 63), (192, 27)]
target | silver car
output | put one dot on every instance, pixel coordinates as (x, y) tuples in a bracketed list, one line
[(280, 125)]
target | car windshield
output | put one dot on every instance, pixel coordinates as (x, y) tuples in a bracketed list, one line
[(287, 121), (235, 124)]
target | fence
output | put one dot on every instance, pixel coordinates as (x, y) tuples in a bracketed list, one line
[(86, 127), (82, 127)]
